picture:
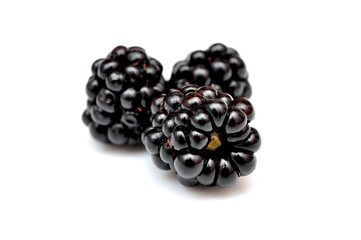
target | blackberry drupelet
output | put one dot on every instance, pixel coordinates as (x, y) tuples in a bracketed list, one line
[(218, 66), (120, 92), (203, 135)]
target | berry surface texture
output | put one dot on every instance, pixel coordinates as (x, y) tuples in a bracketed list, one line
[(203, 135), (120, 91), (218, 66)]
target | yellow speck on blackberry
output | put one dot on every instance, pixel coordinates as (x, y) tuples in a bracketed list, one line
[(215, 142)]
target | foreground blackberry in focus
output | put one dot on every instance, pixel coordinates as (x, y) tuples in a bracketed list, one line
[(218, 66), (120, 91), (203, 135)]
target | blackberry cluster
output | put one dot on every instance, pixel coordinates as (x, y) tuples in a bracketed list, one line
[(120, 92), (220, 67), (203, 135)]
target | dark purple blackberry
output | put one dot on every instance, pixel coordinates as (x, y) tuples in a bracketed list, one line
[(120, 92), (218, 66), (203, 135)]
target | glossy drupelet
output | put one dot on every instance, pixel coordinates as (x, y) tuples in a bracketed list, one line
[(203, 135), (120, 91), (218, 66)]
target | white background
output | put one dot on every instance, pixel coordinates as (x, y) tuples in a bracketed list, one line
[(304, 62)]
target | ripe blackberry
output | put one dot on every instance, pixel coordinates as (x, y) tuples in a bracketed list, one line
[(120, 92), (203, 135), (218, 66)]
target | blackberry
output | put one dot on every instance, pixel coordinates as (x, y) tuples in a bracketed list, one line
[(203, 135), (120, 91), (218, 66)]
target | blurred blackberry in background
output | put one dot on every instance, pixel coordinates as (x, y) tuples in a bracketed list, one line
[(218, 66), (120, 91), (203, 135)]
